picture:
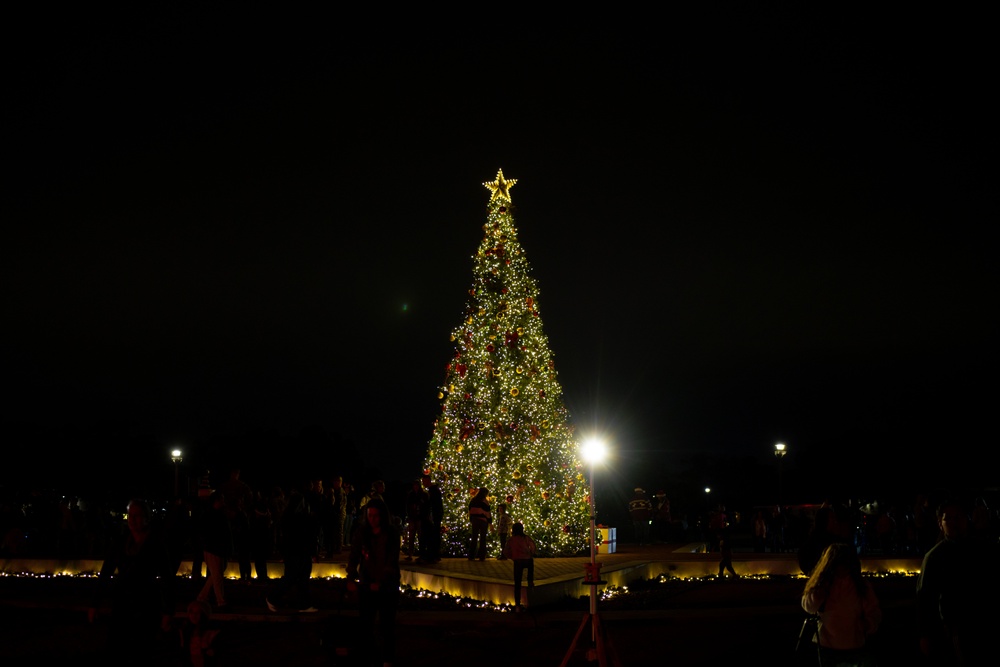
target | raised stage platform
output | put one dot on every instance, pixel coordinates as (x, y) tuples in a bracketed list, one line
[(555, 578)]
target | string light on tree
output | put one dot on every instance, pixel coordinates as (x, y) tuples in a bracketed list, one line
[(502, 423)]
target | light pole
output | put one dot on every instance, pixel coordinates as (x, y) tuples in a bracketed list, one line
[(593, 451), (176, 457), (779, 453)]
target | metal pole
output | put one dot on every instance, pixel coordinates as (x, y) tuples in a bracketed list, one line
[(593, 562), (780, 459)]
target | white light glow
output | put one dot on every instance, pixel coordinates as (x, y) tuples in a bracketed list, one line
[(594, 450)]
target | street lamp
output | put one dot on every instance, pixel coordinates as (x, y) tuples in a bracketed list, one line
[(176, 456), (593, 451), (779, 453)]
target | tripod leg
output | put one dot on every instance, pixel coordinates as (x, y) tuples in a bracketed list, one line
[(602, 660), (605, 649), (576, 638), (615, 660)]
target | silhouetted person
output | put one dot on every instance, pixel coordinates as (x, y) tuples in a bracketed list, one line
[(136, 575), (377, 491), (640, 510), (200, 508), (726, 555), (661, 517), (521, 549), (351, 519), (298, 547), (239, 501), (277, 501), (416, 509), (373, 568), (776, 528), (925, 524), (480, 519), (504, 526), (430, 526), (759, 532), (957, 594), (338, 516), (261, 535), (718, 522), (217, 545), (317, 501), (832, 525)]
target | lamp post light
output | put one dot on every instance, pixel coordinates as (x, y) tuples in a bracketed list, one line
[(779, 452), (594, 451), (176, 456)]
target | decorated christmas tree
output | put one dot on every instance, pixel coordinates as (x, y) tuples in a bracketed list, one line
[(503, 424)]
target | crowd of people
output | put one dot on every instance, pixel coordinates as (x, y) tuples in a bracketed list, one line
[(230, 522), (957, 538), (955, 592), (44, 523), (142, 546), (907, 529)]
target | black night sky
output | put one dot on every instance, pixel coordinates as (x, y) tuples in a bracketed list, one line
[(251, 236)]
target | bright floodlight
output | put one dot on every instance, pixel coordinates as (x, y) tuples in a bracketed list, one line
[(708, 489), (175, 453), (594, 451)]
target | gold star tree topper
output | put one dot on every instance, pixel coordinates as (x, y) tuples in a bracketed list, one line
[(500, 187)]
